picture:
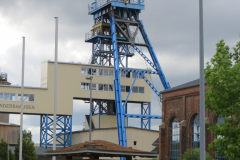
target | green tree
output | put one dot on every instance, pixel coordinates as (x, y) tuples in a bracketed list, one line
[(11, 155), (194, 154), (223, 98), (3, 150), (28, 149)]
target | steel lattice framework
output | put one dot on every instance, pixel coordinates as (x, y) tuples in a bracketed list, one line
[(63, 131), (113, 43)]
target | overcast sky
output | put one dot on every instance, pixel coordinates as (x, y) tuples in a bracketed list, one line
[(172, 26)]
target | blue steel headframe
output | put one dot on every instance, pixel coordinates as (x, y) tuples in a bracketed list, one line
[(166, 85), (64, 131), (109, 12), (122, 138)]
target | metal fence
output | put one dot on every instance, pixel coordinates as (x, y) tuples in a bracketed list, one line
[(100, 3)]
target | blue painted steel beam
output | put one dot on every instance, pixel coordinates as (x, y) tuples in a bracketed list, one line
[(143, 116), (130, 90), (149, 113), (150, 84), (122, 138), (137, 70), (145, 57), (64, 128), (166, 85)]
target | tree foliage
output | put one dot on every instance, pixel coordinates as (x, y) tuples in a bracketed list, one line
[(3, 150), (28, 149), (194, 154), (11, 155), (223, 98)]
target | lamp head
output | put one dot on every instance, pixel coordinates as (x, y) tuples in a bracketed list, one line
[(89, 77)]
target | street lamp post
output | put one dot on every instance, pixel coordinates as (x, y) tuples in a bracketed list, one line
[(202, 84), (90, 115)]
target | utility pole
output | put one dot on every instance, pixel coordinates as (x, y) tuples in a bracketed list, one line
[(55, 85), (202, 84)]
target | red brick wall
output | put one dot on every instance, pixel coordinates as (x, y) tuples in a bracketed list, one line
[(184, 105)]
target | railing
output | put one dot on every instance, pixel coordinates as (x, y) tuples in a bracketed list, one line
[(100, 3), (93, 33)]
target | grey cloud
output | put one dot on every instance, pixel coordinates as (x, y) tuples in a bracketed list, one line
[(172, 27)]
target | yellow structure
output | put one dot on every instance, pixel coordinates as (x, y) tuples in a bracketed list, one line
[(72, 84), (138, 138)]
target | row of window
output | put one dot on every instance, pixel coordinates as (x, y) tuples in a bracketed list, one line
[(110, 87), (107, 73), (16, 97), (175, 136)]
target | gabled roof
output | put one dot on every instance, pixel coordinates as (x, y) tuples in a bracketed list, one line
[(100, 148), (155, 150), (183, 86), (155, 143)]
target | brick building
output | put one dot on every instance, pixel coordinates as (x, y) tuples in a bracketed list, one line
[(180, 128)]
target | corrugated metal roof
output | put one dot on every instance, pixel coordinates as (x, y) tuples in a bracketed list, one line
[(8, 124)]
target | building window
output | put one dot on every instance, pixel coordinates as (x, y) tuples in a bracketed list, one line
[(100, 87), (105, 87), (123, 88), (141, 89), (111, 73), (94, 72), (111, 87), (85, 86), (135, 90), (16, 97), (175, 136), (1, 96), (94, 86), (101, 72), (134, 74), (105, 72), (127, 88), (6, 96), (128, 75), (123, 74), (84, 71), (12, 96), (31, 97), (220, 120), (26, 97), (196, 132)]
